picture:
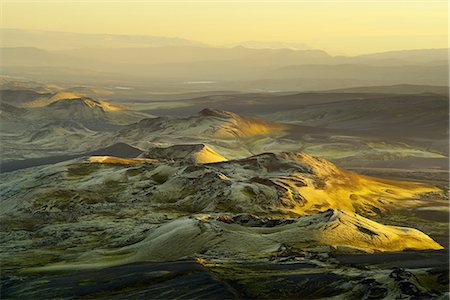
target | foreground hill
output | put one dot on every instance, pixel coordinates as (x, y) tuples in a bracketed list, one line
[(279, 184), (113, 210), (244, 235), (285, 184)]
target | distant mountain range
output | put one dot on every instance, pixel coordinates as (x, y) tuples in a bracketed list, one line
[(55, 40), (191, 66)]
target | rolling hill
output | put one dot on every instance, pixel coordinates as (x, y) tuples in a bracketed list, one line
[(144, 205)]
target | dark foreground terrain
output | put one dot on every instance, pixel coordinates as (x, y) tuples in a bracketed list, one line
[(410, 275)]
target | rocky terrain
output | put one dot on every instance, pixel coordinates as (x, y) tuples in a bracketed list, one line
[(236, 205), (163, 182), (79, 125)]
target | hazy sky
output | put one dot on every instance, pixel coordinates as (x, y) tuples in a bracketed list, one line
[(350, 27)]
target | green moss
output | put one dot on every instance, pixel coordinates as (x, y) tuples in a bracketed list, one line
[(82, 170), (65, 200), (57, 198), (160, 178), (24, 222), (133, 172)]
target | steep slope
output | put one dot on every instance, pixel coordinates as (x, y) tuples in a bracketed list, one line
[(21, 96), (61, 124), (196, 154), (281, 184), (209, 123), (246, 236), (68, 130), (285, 184), (49, 99), (93, 113), (239, 126), (59, 97), (82, 109), (230, 134), (96, 114)]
